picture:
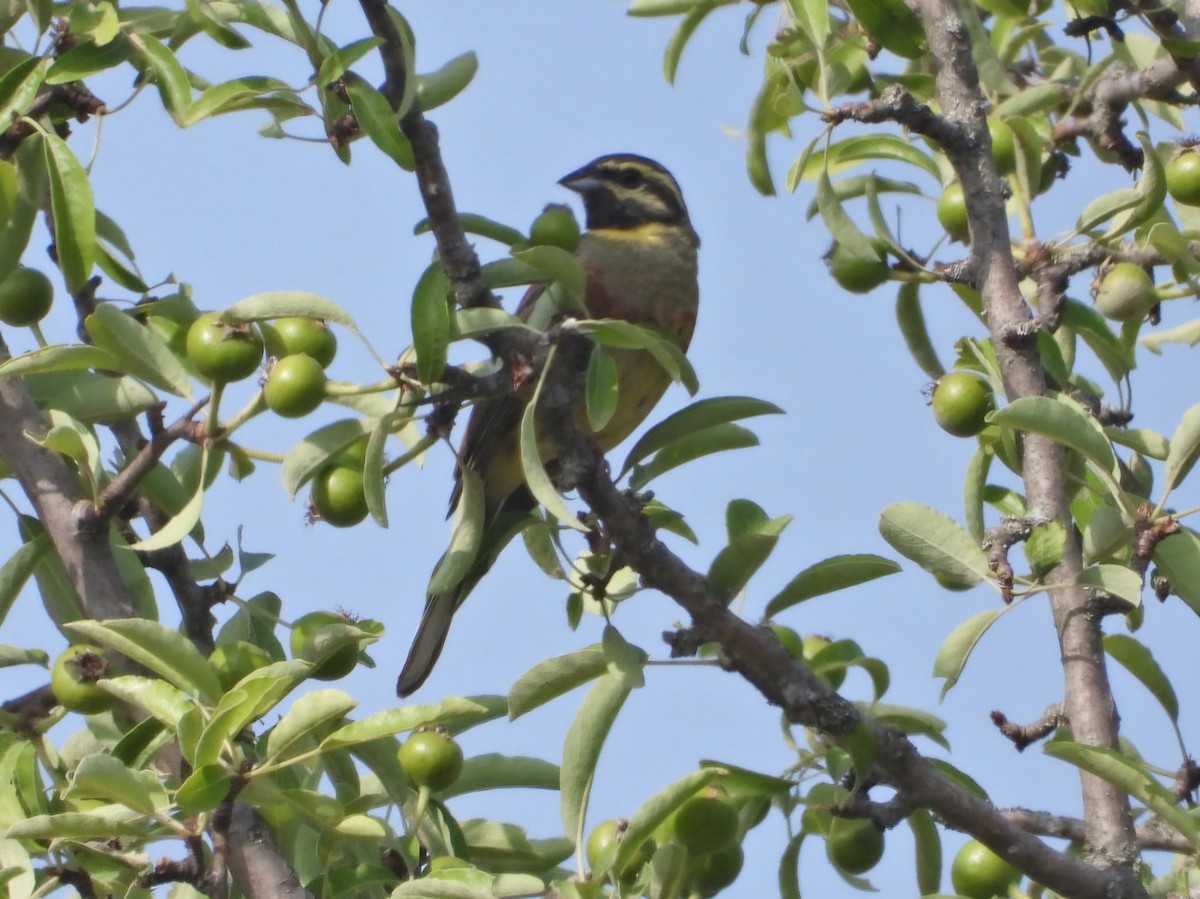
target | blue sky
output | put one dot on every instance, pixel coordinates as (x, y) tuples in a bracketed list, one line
[(558, 84)]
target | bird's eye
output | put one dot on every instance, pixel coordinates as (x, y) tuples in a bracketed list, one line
[(629, 177)]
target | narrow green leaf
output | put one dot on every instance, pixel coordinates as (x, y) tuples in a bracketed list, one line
[(909, 721), (229, 96), (585, 739), (1130, 776), (378, 121), (431, 322), (1178, 557), (1137, 659), (1115, 356), (72, 826), (828, 576), (691, 21), (954, 652), (696, 417), (1184, 449), (203, 790), (447, 82), (539, 482), (650, 814), (341, 59), (466, 538), (552, 678), (473, 223), (20, 85), (285, 303), (936, 543), (141, 351), (166, 652), (789, 868), (845, 232), (169, 76), (74, 212), (17, 569), (307, 717), (929, 851), (854, 150), (59, 357), (158, 698), (393, 721), (493, 771), (912, 326), (100, 776), (1064, 420), (183, 523), (557, 264), (601, 390), (717, 439), (1115, 579), (312, 453)]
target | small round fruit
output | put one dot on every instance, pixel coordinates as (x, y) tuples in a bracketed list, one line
[(790, 639), (952, 213), (707, 822), (234, 661), (1004, 149), (713, 873), (222, 352), (812, 645), (555, 227), (295, 386), (602, 844), (311, 641), (73, 680), (1183, 177), (854, 844), (338, 497), (353, 456), (855, 274), (979, 873), (961, 402), (431, 758), (292, 335), (25, 297), (1126, 293)]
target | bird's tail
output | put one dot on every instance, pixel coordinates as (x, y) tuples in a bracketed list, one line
[(440, 607)]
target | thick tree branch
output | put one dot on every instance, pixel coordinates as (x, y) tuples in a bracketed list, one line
[(53, 490), (1087, 695)]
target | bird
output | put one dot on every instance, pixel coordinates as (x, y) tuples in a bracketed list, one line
[(639, 257)]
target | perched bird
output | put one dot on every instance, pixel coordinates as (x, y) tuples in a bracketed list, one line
[(639, 257)]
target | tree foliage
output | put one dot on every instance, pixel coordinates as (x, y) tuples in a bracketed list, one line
[(215, 740)]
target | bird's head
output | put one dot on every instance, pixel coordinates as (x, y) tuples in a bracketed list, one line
[(626, 191)]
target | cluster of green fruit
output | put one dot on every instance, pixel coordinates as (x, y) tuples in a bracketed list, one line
[(708, 825)]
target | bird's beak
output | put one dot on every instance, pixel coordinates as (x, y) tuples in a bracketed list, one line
[(581, 180)]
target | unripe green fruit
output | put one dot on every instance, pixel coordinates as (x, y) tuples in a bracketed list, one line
[(978, 873), (961, 402), (25, 297), (1126, 293), (714, 872), (1004, 149), (952, 213), (854, 844), (555, 227), (856, 274), (222, 352), (338, 496), (295, 386), (602, 845), (707, 822), (291, 335), (431, 759), (310, 644), (1183, 177), (73, 680), (235, 661)]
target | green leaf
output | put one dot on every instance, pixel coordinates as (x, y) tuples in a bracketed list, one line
[(431, 322), (256, 695), (312, 453), (660, 344), (20, 85), (341, 59), (853, 150), (1115, 356), (285, 303), (185, 521), (601, 390), (752, 538), (159, 699), (655, 810), (716, 439), (556, 264), (908, 721), (100, 776), (72, 826), (829, 576), (229, 96), (954, 652), (691, 21), (466, 538), (585, 739), (912, 327), (552, 678), (393, 721), (892, 25), (1184, 449), (59, 357), (1178, 557), (1147, 442), (378, 121), (789, 868), (203, 790), (493, 771), (929, 851), (17, 569), (74, 213), (936, 543), (479, 224), (539, 482), (1115, 579), (1044, 547), (141, 351), (166, 652), (1137, 659), (1130, 776), (305, 720), (169, 76), (696, 417), (1062, 419), (447, 82)]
